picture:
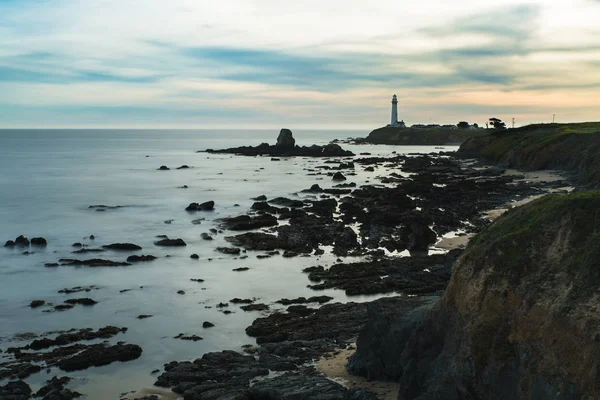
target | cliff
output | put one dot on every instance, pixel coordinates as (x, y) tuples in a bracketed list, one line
[(571, 147), (519, 318), (414, 136)]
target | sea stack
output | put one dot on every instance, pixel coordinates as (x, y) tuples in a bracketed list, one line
[(285, 140)]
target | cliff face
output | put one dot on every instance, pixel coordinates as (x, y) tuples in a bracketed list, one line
[(573, 147), (431, 137), (520, 318)]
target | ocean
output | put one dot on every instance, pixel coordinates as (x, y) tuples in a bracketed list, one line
[(51, 177)]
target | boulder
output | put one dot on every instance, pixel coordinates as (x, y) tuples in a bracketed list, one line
[(285, 140), (22, 241), (39, 241), (206, 206), (141, 258), (338, 176), (171, 243), (122, 246)]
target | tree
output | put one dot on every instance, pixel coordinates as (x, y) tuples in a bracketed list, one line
[(497, 123), (463, 125)]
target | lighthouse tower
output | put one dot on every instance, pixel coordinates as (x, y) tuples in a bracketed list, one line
[(394, 111)]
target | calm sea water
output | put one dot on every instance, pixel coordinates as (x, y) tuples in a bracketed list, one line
[(51, 177)]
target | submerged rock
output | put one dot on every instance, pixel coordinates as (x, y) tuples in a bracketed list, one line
[(141, 258), (171, 243), (122, 246)]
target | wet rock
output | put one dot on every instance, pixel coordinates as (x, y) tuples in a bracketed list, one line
[(39, 241), (122, 246), (77, 244), (256, 241), (197, 221), (207, 324), (369, 169), (246, 222), (241, 269), (262, 197), (255, 307), (22, 241), (86, 250), (95, 262), (305, 387), (78, 289), (98, 355), (192, 338), (195, 257), (338, 176), (171, 243), (144, 316), (17, 390), (313, 189), (182, 292), (304, 300), (323, 207), (206, 236), (285, 202), (197, 280), (37, 303), (164, 168), (77, 336), (183, 167), (206, 206), (55, 390), (51, 265), (229, 250), (142, 258), (241, 301), (85, 301), (9, 243), (63, 307), (285, 140)]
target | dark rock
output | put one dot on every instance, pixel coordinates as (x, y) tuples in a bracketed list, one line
[(63, 307), (39, 241), (338, 176), (255, 307), (229, 250), (122, 246), (183, 167), (37, 303), (313, 189), (72, 337), (207, 324), (94, 262), (98, 355), (182, 292), (285, 140), (241, 301), (144, 316), (164, 168), (77, 244), (86, 250), (285, 202), (197, 280), (55, 390), (17, 390), (262, 197), (206, 206), (141, 258), (9, 243), (86, 301), (256, 241), (195, 257), (191, 338), (304, 300), (51, 265), (246, 223), (92, 237), (78, 289), (171, 243), (206, 236), (241, 269), (22, 241)]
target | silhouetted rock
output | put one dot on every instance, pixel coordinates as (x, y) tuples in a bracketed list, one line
[(338, 176), (141, 258), (39, 241), (122, 246), (22, 241), (164, 168), (285, 140), (37, 303), (206, 206), (171, 243)]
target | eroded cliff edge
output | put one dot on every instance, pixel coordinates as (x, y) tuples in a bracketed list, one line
[(519, 318), (570, 147)]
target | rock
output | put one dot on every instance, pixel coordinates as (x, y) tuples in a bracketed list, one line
[(256, 241), (338, 176), (285, 140), (197, 280), (39, 241), (241, 301), (262, 197), (94, 262), (164, 168), (304, 300), (171, 243), (182, 292), (55, 390), (229, 250), (92, 237), (77, 245), (122, 246), (255, 307), (98, 355), (9, 243), (142, 258), (313, 189), (144, 316), (183, 167), (305, 387), (192, 338), (86, 250), (285, 202), (77, 336), (37, 303), (241, 269), (22, 241), (207, 324), (78, 289), (206, 236), (86, 301), (17, 390), (51, 265), (63, 307), (206, 206), (246, 223)]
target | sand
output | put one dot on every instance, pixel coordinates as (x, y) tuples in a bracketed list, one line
[(334, 367)]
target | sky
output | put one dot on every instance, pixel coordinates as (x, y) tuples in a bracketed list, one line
[(325, 64)]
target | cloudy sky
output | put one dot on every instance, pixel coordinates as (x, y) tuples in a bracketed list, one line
[(308, 63)]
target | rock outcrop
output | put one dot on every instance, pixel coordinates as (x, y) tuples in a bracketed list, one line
[(519, 318), (286, 147)]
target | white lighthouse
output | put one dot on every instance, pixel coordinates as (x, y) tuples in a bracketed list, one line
[(394, 111)]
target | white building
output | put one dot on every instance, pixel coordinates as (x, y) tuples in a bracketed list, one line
[(395, 123)]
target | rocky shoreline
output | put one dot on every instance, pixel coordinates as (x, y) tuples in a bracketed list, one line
[(418, 200)]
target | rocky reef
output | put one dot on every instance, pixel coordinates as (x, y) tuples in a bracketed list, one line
[(518, 320), (286, 147)]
